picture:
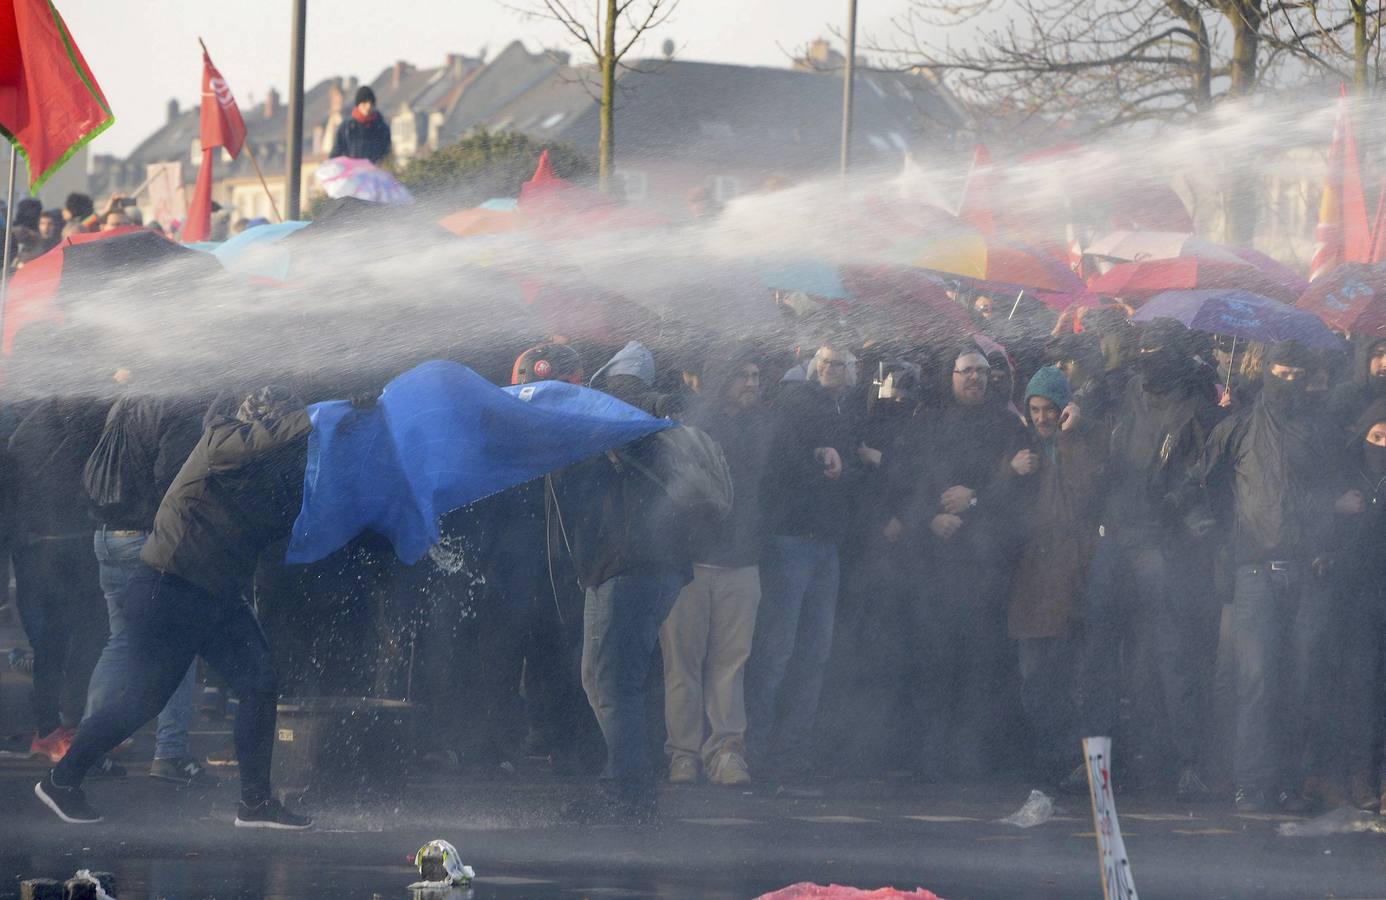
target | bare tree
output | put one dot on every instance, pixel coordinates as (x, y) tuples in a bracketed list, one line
[(609, 29), (1338, 37)]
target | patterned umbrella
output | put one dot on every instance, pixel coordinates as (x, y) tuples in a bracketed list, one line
[(343, 176), (995, 261), (1239, 314), (1350, 298)]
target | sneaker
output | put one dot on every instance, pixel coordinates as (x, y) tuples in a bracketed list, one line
[(1251, 800), (69, 804), (1191, 787), (53, 745), (683, 770), (21, 661), (107, 768), (1363, 791), (728, 767), (183, 770), (270, 814), (223, 759), (1292, 801)]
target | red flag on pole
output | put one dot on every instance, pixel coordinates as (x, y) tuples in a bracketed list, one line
[(222, 125), (50, 103), (977, 207), (1379, 228), (1343, 234)]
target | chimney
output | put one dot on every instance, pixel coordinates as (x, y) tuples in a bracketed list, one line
[(456, 65), (558, 57), (271, 103), (173, 109), (350, 90), (397, 74), (334, 97)]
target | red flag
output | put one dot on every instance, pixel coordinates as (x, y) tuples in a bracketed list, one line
[(976, 208), (222, 125), (1379, 228), (199, 224), (50, 103), (1342, 234)]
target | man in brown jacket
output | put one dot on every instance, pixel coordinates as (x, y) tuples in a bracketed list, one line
[(1045, 615)]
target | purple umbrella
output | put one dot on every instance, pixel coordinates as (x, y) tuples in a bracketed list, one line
[(1239, 314)]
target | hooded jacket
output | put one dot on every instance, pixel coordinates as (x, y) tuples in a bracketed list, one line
[(143, 445), (1350, 399), (1281, 469), (1358, 545), (362, 140), (799, 500), (616, 520), (239, 491)]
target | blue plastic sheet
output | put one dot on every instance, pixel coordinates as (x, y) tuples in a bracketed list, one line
[(439, 438)]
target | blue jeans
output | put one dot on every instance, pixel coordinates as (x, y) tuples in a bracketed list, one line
[(621, 621), (118, 556), (170, 621), (1280, 624), (789, 653)]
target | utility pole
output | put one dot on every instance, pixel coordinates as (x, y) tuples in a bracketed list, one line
[(848, 74), (295, 136)]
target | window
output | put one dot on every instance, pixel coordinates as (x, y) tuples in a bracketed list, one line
[(724, 187), (634, 184)]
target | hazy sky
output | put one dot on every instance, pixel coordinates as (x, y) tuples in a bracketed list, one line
[(145, 51)]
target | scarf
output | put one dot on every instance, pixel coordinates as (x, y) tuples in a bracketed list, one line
[(365, 120)]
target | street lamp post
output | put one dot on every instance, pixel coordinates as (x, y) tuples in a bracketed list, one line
[(295, 136), (848, 75)]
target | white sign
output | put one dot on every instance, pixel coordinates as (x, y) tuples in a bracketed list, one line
[(1117, 883)]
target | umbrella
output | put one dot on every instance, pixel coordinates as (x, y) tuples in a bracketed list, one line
[(1239, 314), (1062, 301), (1350, 298), (256, 253), (343, 176), (1139, 279), (915, 303), (104, 260), (995, 261), (1137, 246), (803, 273), (492, 217)]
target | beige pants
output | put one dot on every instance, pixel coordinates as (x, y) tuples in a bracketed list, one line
[(706, 640)]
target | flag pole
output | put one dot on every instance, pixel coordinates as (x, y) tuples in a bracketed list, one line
[(256, 163), (9, 220)]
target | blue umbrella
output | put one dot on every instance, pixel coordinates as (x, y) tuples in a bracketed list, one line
[(254, 252), (800, 273), (1239, 314)]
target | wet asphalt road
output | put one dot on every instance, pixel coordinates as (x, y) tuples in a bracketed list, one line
[(165, 841)]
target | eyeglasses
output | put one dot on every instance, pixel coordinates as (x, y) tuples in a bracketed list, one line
[(833, 363), (974, 372)]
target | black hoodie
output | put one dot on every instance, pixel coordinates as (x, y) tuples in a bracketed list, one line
[(1349, 400), (1358, 545)]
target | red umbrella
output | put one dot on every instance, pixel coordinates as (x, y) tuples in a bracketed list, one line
[(1140, 279), (1350, 298), (913, 300), (88, 262)]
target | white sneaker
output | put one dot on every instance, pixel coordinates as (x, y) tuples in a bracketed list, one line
[(683, 770), (728, 767)]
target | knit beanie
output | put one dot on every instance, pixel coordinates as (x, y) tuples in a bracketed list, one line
[(1050, 383)]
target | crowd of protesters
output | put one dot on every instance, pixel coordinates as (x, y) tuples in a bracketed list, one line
[(949, 558)]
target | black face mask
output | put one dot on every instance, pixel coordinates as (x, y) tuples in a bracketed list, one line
[(1162, 369), (1374, 461), (1282, 394)]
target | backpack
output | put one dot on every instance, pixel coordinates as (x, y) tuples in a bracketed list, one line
[(689, 468)]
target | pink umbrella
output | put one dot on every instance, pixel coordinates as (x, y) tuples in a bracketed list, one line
[(343, 176)]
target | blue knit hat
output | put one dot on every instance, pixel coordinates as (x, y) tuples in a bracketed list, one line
[(1051, 384)]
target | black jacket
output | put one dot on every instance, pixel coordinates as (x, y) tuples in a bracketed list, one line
[(1283, 472), (362, 140), (143, 445), (1350, 399), (49, 450), (968, 446), (239, 491), (1358, 543), (796, 497), (1157, 442), (745, 441)]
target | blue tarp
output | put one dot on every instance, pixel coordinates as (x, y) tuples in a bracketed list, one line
[(441, 437)]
